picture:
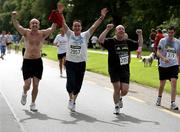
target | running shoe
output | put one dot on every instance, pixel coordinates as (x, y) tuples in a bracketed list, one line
[(24, 99), (33, 107), (116, 110), (174, 106), (158, 102), (71, 106)]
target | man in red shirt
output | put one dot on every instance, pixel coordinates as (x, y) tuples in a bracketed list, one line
[(159, 36)]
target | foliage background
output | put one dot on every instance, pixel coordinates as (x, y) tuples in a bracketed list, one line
[(131, 13)]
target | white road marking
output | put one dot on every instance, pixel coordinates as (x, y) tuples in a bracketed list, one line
[(170, 112), (136, 99), (13, 112)]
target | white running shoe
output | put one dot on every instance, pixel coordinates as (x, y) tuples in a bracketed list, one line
[(33, 107), (24, 99), (71, 106), (174, 106), (158, 102), (117, 109), (120, 103)]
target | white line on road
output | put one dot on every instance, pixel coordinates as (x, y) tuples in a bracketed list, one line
[(136, 99), (171, 113), (13, 112)]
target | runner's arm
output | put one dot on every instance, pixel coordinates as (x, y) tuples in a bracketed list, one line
[(49, 31), (163, 58), (98, 21), (140, 37), (16, 24), (140, 40), (104, 33)]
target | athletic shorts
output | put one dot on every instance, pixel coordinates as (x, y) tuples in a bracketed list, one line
[(23, 51), (166, 73), (75, 74), (119, 74), (32, 68), (60, 56), (8, 43)]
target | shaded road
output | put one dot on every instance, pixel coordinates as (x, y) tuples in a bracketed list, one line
[(94, 104)]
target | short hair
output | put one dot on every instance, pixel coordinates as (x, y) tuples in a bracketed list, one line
[(159, 30), (120, 26), (34, 19), (172, 27), (77, 20)]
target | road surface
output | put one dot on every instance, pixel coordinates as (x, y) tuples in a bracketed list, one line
[(94, 105)]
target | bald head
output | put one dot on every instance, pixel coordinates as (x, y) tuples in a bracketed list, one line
[(34, 24), (34, 20), (120, 32), (120, 27)]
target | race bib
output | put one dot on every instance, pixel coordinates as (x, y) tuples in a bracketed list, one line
[(124, 60), (170, 55), (75, 50)]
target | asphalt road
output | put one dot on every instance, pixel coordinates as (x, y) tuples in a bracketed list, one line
[(94, 105)]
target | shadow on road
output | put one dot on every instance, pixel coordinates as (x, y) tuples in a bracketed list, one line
[(37, 115), (127, 118), (86, 118), (80, 117)]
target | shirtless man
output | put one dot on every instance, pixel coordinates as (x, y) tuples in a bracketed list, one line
[(32, 63)]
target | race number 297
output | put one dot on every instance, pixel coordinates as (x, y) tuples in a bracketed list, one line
[(124, 60)]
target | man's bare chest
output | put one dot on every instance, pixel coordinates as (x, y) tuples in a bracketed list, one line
[(34, 39)]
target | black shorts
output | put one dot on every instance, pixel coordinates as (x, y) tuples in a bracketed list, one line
[(8, 43), (60, 56), (120, 73), (23, 50), (32, 68), (166, 73), (75, 74)]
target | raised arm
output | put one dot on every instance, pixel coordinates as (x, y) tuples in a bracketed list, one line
[(140, 39), (60, 8), (98, 21), (104, 33), (64, 25), (16, 24), (49, 31)]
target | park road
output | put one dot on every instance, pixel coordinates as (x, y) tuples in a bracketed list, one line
[(94, 104)]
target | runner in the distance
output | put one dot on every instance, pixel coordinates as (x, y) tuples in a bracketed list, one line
[(61, 42)]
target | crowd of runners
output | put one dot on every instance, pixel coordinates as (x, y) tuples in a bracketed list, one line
[(72, 55)]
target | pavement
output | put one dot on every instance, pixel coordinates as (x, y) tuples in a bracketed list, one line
[(9, 123)]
